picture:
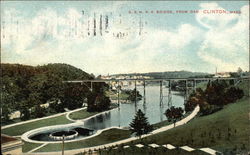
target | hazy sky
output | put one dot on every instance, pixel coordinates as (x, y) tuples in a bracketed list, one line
[(37, 33)]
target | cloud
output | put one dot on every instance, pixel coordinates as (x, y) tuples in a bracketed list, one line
[(225, 46), (52, 37), (215, 20)]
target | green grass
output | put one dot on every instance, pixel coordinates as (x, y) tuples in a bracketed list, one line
[(81, 114), (29, 146), (20, 129), (104, 138), (212, 130), (245, 86), (17, 120), (146, 150), (113, 96), (166, 122)]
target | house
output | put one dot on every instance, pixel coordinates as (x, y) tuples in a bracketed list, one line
[(222, 74)]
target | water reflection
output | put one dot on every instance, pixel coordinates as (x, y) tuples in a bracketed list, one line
[(123, 115)]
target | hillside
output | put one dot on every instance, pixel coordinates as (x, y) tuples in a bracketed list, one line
[(64, 71), (26, 87), (226, 131)]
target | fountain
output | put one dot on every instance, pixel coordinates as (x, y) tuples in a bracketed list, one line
[(59, 135)]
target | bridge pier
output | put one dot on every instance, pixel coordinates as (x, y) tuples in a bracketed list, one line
[(169, 94), (118, 95), (135, 94), (186, 91), (161, 94), (194, 84), (91, 86), (144, 92), (161, 112)]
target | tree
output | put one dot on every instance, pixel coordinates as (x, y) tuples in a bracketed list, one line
[(140, 124), (38, 111), (7, 101), (25, 113), (174, 113), (73, 96), (96, 99), (97, 102), (215, 93), (134, 95)]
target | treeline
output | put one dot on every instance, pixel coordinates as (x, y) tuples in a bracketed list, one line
[(214, 97), (170, 74), (25, 88)]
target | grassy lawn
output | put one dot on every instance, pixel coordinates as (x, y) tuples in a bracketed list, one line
[(166, 122), (146, 150), (113, 96), (105, 137), (20, 129), (225, 130), (17, 120), (29, 146), (81, 114)]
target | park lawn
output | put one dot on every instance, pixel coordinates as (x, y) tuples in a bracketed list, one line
[(113, 96), (29, 146), (81, 114), (147, 150), (224, 130), (245, 86), (105, 137), (20, 129), (166, 122)]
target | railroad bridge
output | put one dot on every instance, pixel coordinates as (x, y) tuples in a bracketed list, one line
[(190, 84)]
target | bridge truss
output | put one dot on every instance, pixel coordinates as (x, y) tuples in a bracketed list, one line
[(187, 81)]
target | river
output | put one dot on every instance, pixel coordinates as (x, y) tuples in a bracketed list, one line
[(123, 116)]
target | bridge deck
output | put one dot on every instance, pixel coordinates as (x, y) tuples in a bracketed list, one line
[(163, 79)]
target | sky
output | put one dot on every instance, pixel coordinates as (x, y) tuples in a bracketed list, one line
[(132, 40)]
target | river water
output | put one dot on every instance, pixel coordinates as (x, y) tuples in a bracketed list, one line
[(123, 116)]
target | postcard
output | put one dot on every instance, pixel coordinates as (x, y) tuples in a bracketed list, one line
[(125, 77)]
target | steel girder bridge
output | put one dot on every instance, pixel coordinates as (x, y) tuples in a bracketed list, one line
[(190, 83)]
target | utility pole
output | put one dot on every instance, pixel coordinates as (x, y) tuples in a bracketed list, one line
[(63, 145)]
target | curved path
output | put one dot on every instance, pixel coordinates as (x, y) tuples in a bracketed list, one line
[(75, 123), (162, 129), (67, 115), (33, 120)]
